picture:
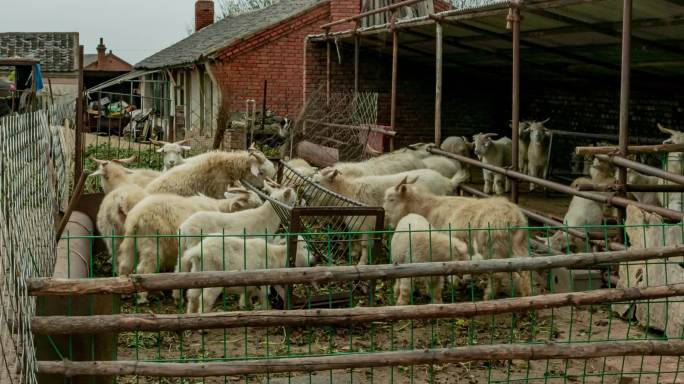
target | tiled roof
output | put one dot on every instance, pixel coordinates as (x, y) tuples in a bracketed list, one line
[(56, 51), (223, 33), (89, 58)]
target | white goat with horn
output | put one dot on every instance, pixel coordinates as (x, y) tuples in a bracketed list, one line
[(172, 152)]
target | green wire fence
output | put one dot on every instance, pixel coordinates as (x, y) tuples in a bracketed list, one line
[(582, 325)]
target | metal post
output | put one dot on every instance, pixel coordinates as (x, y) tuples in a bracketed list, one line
[(514, 20), (623, 136), (438, 83), (357, 42), (327, 73), (78, 145), (393, 103), (263, 106)]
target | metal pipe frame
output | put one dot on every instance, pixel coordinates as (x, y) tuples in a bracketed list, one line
[(361, 15), (514, 20), (438, 83), (393, 102), (623, 139), (540, 217), (631, 187), (611, 200), (642, 168)]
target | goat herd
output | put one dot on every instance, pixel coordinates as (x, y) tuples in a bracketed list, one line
[(197, 202)]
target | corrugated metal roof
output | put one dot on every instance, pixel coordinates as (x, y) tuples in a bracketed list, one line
[(56, 51), (223, 33)]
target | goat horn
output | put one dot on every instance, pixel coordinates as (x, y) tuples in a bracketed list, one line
[(96, 160), (402, 182), (184, 141), (489, 134), (158, 142), (272, 182), (412, 181), (127, 160), (545, 121)]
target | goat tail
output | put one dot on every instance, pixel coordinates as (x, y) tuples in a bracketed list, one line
[(460, 177), (190, 258), (519, 243), (126, 257)]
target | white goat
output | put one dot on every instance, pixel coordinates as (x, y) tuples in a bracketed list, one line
[(494, 152), (652, 198), (461, 146), (113, 174), (413, 242), (212, 172), (675, 164), (255, 221), (538, 150), (386, 164), (301, 166), (583, 212), (237, 254), (113, 212), (446, 167), (162, 214), (500, 224), (523, 145), (172, 152)]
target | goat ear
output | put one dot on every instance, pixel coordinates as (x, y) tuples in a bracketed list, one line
[(401, 183), (259, 157), (254, 167), (184, 141), (412, 181), (668, 141), (98, 172), (160, 150), (252, 147), (158, 142), (334, 174), (186, 147), (236, 205), (545, 121)]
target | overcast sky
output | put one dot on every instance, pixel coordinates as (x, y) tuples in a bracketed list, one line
[(132, 29)]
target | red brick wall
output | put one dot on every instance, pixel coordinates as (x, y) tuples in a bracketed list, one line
[(276, 55), (340, 9), (470, 104), (204, 13)]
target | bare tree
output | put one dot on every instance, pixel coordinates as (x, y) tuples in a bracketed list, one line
[(235, 7)]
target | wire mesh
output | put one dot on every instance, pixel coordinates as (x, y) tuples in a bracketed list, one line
[(35, 165), (332, 218), (343, 121), (574, 325)]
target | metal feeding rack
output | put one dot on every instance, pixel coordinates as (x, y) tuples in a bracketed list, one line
[(325, 218)]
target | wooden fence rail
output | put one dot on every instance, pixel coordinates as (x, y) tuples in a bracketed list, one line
[(65, 325), (379, 359), (165, 281)]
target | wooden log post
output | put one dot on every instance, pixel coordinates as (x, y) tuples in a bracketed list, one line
[(78, 134), (393, 101), (625, 69), (68, 325), (166, 281), (492, 352)]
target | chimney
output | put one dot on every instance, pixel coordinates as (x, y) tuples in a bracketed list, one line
[(204, 14), (101, 50)]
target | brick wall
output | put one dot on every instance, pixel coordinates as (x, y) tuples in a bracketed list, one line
[(469, 105), (276, 55), (340, 9)]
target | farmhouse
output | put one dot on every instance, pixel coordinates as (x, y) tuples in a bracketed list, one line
[(56, 52)]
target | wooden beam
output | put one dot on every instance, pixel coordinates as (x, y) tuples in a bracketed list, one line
[(46, 286), (69, 325), (541, 351)]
